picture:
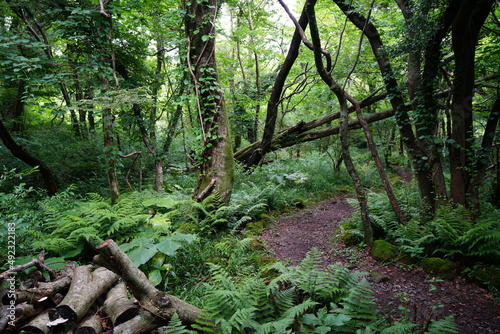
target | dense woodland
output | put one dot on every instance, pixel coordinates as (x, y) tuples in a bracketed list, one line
[(157, 138)]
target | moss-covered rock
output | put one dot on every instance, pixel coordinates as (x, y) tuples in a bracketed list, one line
[(383, 251), (439, 267), (487, 276)]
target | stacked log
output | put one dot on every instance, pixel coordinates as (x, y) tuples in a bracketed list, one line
[(114, 296)]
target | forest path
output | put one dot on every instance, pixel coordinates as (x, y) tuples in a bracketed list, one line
[(294, 234)]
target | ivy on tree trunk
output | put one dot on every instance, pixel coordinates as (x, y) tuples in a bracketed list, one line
[(217, 163)]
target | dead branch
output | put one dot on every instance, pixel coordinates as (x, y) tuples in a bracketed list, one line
[(38, 263)]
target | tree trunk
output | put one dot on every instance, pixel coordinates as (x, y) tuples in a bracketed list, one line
[(376, 158), (465, 32), (20, 153), (118, 306), (416, 151), (217, 164), (12, 105), (109, 145), (301, 133), (275, 99), (344, 120)]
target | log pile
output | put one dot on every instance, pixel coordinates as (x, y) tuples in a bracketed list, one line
[(113, 296)]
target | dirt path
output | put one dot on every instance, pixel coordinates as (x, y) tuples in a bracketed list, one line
[(294, 234)]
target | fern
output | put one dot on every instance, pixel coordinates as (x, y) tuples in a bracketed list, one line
[(175, 326), (483, 240), (443, 326)]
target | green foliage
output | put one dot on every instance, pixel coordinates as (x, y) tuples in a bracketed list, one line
[(85, 223), (306, 299), (452, 233)]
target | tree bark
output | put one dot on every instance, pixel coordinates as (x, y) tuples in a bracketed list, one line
[(118, 306), (465, 33), (300, 133), (91, 325), (23, 155), (217, 163)]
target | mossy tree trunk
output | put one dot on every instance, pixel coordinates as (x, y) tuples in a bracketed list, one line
[(217, 163)]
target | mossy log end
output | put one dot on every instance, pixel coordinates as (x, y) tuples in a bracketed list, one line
[(161, 305)]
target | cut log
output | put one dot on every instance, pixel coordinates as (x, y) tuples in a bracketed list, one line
[(87, 285), (38, 325), (91, 325), (144, 322), (118, 305), (162, 305)]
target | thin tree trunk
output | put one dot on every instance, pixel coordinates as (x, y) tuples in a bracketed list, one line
[(275, 98), (344, 120), (20, 153), (373, 149), (416, 151)]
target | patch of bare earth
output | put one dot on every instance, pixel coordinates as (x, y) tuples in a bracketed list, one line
[(294, 234)]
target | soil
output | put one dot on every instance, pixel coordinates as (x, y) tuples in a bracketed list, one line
[(293, 234)]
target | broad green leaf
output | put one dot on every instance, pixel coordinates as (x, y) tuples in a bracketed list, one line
[(168, 246), (142, 250), (155, 277), (158, 260)]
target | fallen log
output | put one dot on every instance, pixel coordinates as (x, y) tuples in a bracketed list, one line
[(157, 307), (91, 325), (87, 285), (118, 305), (38, 325)]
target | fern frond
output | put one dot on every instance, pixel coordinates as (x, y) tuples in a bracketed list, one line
[(175, 326), (443, 326), (300, 309), (400, 328), (284, 299)]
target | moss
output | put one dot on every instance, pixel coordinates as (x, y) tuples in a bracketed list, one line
[(487, 276), (254, 228), (439, 267), (256, 244), (406, 259), (383, 251)]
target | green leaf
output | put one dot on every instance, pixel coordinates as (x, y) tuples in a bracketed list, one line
[(155, 277), (142, 250), (322, 329), (168, 246), (158, 260)]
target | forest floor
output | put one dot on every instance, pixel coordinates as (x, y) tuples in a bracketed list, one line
[(293, 234)]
